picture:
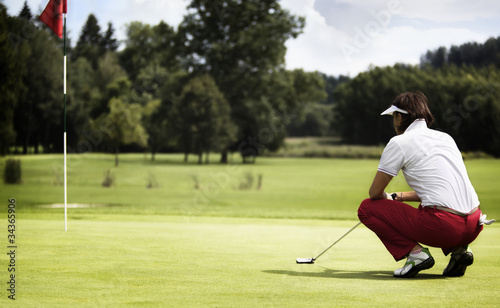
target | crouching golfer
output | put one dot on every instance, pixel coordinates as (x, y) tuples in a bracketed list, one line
[(448, 216)]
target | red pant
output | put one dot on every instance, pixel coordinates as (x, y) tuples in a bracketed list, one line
[(401, 226)]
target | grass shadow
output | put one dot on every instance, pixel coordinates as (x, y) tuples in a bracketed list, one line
[(366, 275)]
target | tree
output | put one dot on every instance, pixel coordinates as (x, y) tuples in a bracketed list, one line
[(315, 121), (81, 94), (25, 12), (90, 92), (454, 56), (138, 48), (286, 95), (146, 45), (166, 46), (38, 115), (360, 101), (90, 42), (102, 86), (238, 43), (151, 63), (471, 53), (331, 83), (203, 118), (12, 67), (109, 42), (148, 87), (108, 71), (462, 100), (122, 125)]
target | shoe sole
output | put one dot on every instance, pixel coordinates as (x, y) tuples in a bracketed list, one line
[(460, 266), (417, 268)]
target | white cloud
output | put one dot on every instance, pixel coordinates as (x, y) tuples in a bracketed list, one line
[(324, 45), (451, 10), (317, 48), (407, 44), (437, 11), (395, 45)]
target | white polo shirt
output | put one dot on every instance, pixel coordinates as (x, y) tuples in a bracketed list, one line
[(432, 165)]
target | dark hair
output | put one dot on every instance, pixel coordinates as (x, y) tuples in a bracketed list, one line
[(416, 104)]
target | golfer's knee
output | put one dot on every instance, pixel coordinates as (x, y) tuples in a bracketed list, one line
[(364, 209)]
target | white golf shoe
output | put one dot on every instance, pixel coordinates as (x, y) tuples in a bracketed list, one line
[(415, 263)]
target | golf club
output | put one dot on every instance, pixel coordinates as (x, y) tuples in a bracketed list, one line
[(311, 260)]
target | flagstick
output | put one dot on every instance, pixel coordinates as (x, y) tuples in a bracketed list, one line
[(65, 147)]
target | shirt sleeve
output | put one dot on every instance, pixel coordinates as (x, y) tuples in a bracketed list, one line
[(392, 158)]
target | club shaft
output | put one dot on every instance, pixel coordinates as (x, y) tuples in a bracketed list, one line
[(359, 222)]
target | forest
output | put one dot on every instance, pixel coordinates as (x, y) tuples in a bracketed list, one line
[(217, 83)]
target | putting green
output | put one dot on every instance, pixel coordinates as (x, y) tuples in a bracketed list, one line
[(163, 247), (178, 261)]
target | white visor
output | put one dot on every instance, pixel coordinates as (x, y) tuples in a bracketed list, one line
[(393, 108)]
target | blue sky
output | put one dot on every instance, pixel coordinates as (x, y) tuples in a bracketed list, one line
[(341, 36)]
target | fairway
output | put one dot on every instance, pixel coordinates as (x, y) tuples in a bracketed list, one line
[(155, 247)]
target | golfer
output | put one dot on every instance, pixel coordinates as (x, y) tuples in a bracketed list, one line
[(448, 216)]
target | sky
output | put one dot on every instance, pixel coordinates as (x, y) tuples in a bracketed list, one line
[(341, 37)]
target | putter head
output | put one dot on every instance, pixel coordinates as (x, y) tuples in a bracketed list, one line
[(305, 260)]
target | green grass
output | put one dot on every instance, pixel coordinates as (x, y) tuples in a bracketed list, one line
[(325, 147), (291, 188), (221, 246), (331, 147), (231, 262)]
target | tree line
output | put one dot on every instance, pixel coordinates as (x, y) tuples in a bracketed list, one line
[(217, 84), (462, 86), (464, 101), (474, 54)]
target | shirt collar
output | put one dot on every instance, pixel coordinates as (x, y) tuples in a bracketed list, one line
[(417, 124)]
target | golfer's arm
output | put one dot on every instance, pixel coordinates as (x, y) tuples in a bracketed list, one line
[(407, 196), (379, 184)]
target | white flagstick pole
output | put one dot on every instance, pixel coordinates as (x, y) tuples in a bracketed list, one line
[(65, 147)]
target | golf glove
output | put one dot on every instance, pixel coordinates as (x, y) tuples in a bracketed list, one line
[(484, 221)]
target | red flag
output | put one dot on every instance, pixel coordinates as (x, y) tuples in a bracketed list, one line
[(52, 15)]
